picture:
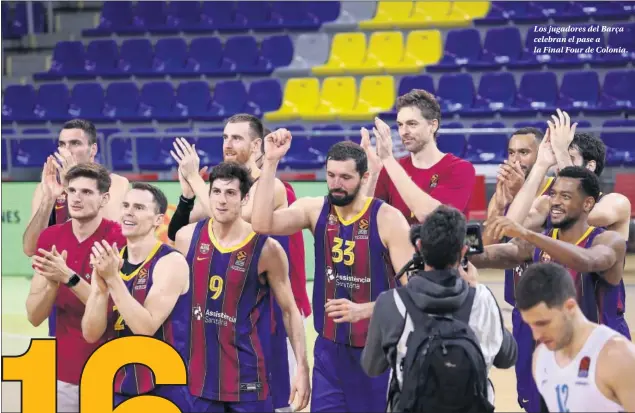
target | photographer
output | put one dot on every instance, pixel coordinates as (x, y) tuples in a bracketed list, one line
[(438, 361)]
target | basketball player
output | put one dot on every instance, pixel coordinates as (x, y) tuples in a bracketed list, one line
[(418, 183), (62, 271), (233, 270), (359, 242), (148, 292), (523, 151), (49, 206), (612, 211), (579, 366), (594, 256)]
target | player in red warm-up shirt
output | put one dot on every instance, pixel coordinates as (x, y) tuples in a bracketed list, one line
[(427, 178), (62, 272)]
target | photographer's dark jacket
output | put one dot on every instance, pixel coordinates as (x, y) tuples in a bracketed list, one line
[(434, 291)]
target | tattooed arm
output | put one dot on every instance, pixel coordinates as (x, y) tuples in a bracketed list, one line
[(504, 256)]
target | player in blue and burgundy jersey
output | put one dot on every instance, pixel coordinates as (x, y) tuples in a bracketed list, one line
[(147, 295), (233, 272), (360, 242), (594, 256)]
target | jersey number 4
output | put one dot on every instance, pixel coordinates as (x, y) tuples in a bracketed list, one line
[(347, 255)]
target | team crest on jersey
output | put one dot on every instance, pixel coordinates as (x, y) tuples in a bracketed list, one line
[(583, 370), (544, 257), (204, 248), (332, 219), (61, 199), (434, 181)]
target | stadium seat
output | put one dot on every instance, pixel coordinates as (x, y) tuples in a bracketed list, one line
[(68, 61), (292, 15), (496, 91), (150, 16), (571, 60), (300, 156), (605, 10), (462, 46), (170, 56), (19, 22), (529, 59), (206, 57), (18, 103), (276, 51), (376, 95), (32, 150), (426, 13), (338, 95), (136, 57), (102, 57), (311, 49), (347, 49), (500, 47), (122, 102), (388, 14), (406, 84), (453, 143), (87, 102), (52, 103), (6, 132), (183, 15), (625, 39), (301, 95), (578, 91), (115, 16), (384, 49), (455, 92), (620, 146), (423, 48), (157, 102), (214, 14), (243, 55), (537, 93), (487, 148), (264, 96), (562, 11), (193, 100), (617, 94), (229, 97), (464, 12)]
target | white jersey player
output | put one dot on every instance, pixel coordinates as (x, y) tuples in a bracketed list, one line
[(578, 366)]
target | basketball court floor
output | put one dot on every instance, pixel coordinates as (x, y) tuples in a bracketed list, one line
[(17, 332)]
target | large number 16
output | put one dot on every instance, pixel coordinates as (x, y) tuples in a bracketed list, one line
[(348, 256), (36, 370)]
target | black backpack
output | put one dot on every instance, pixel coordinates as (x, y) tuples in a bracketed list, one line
[(444, 370)]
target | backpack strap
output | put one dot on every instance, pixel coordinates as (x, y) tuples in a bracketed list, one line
[(465, 310), (418, 316)]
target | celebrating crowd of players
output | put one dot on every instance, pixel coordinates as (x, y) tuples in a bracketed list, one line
[(230, 294)]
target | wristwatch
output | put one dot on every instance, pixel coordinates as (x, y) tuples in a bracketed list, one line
[(73, 281)]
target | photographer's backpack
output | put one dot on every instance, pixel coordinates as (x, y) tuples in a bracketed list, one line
[(443, 370)]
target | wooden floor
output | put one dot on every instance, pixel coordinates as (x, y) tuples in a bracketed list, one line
[(17, 332)]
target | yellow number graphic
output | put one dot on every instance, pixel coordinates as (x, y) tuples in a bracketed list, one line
[(216, 286), (347, 255), (97, 377), (35, 369), (119, 324)]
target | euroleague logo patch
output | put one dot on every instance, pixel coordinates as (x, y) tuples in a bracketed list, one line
[(434, 181), (583, 370)]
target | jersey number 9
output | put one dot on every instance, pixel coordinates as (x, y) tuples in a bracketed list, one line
[(347, 255), (216, 286)]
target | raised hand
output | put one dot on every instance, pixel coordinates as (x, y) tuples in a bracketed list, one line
[(63, 161), (561, 131), (51, 187), (374, 163), (277, 144), (512, 175), (383, 139), (105, 260), (546, 156), (185, 155)]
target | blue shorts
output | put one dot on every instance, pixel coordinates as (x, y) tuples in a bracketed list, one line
[(200, 405), (179, 395), (339, 382), (528, 394)]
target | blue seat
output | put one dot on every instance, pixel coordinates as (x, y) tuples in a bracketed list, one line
[(68, 61), (149, 16), (517, 11), (215, 14), (18, 22), (32, 152), (276, 51), (193, 100), (325, 11), (496, 91), (122, 102), (244, 56), (455, 93), (53, 100), (87, 102), (605, 10), (462, 46), (183, 15), (170, 56), (6, 134), (579, 91), (580, 56), (115, 16), (562, 11), (157, 102), (230, 97), (249, 15), (207, 58), (136, 57), (299, 157), (102, 57), (406, 84), (263, 96), (620, 146), (617, 94), (18, 103), (615, 40), (487, 148), (531, 59), (453, 143), (501, 46), (292, 15), (210, 149), (121, 154), (149, 149), (537, 93)]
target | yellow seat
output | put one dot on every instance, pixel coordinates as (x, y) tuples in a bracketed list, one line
[(338, 95), (376, 95), (423, 48), (435, 13), (388, 12), (348, 49), (300, 95), (470, 10), (384, 49)]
